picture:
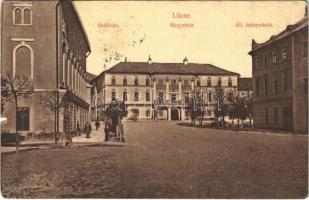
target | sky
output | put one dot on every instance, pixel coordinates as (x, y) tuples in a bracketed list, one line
[(137, 29)]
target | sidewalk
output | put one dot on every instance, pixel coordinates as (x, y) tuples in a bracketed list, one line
[(95, 135), (96, 138), (29, 145)]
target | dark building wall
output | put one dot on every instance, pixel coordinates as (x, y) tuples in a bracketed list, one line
[(300, 72), (279, 89), (40, 37), (285, 105), (42, 31), (74, 33)]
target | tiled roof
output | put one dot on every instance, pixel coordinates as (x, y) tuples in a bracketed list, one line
[(245, 84), (168, 68), (288, 31)]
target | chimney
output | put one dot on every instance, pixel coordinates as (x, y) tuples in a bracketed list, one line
[(149, 60), (185, 61)]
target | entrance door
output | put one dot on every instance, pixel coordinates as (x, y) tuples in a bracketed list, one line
[(174, 114), (287, 120)]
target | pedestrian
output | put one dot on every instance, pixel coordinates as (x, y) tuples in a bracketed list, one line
[(87, 129), (106, 130), (77, 129), (97, 125)]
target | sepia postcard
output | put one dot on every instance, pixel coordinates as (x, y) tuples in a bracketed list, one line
[(154, 99)]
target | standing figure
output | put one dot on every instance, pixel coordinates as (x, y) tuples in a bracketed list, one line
[(77, 128), (106, 129), (97, 125), (87, 129)]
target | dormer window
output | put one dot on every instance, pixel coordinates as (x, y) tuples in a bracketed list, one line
[(22, 15)]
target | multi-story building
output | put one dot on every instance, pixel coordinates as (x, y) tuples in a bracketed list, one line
[(245, 87), (280, 73), (45, 41), (147, 87)]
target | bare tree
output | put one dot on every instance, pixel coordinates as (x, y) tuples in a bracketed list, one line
[(13, 88), (50, 101)]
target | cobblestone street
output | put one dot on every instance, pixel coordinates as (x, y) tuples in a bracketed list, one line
[(163, 159)]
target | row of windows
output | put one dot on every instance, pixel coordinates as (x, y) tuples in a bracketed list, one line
[(160, 112), (22, 16), (173, 97), (265, 82), (125, 96), (278, 55), (173, 82)]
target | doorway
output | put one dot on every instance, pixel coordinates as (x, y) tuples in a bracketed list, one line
[(174, 114), (287, 119)]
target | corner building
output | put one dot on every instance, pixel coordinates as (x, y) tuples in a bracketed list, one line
[(45, 41), (280, 73)]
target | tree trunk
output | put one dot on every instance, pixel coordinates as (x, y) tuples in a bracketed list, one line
[(55, 126), (16, 131), (55, 123)]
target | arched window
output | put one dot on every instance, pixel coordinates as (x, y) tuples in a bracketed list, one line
[(230, 82), (23, 60), (27, 16), (113, 80), (17, 16), (22, 16)]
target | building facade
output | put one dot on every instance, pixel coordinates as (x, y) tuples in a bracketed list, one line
[(45, 41), (161, 90), (245, 88), (280, 73)]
